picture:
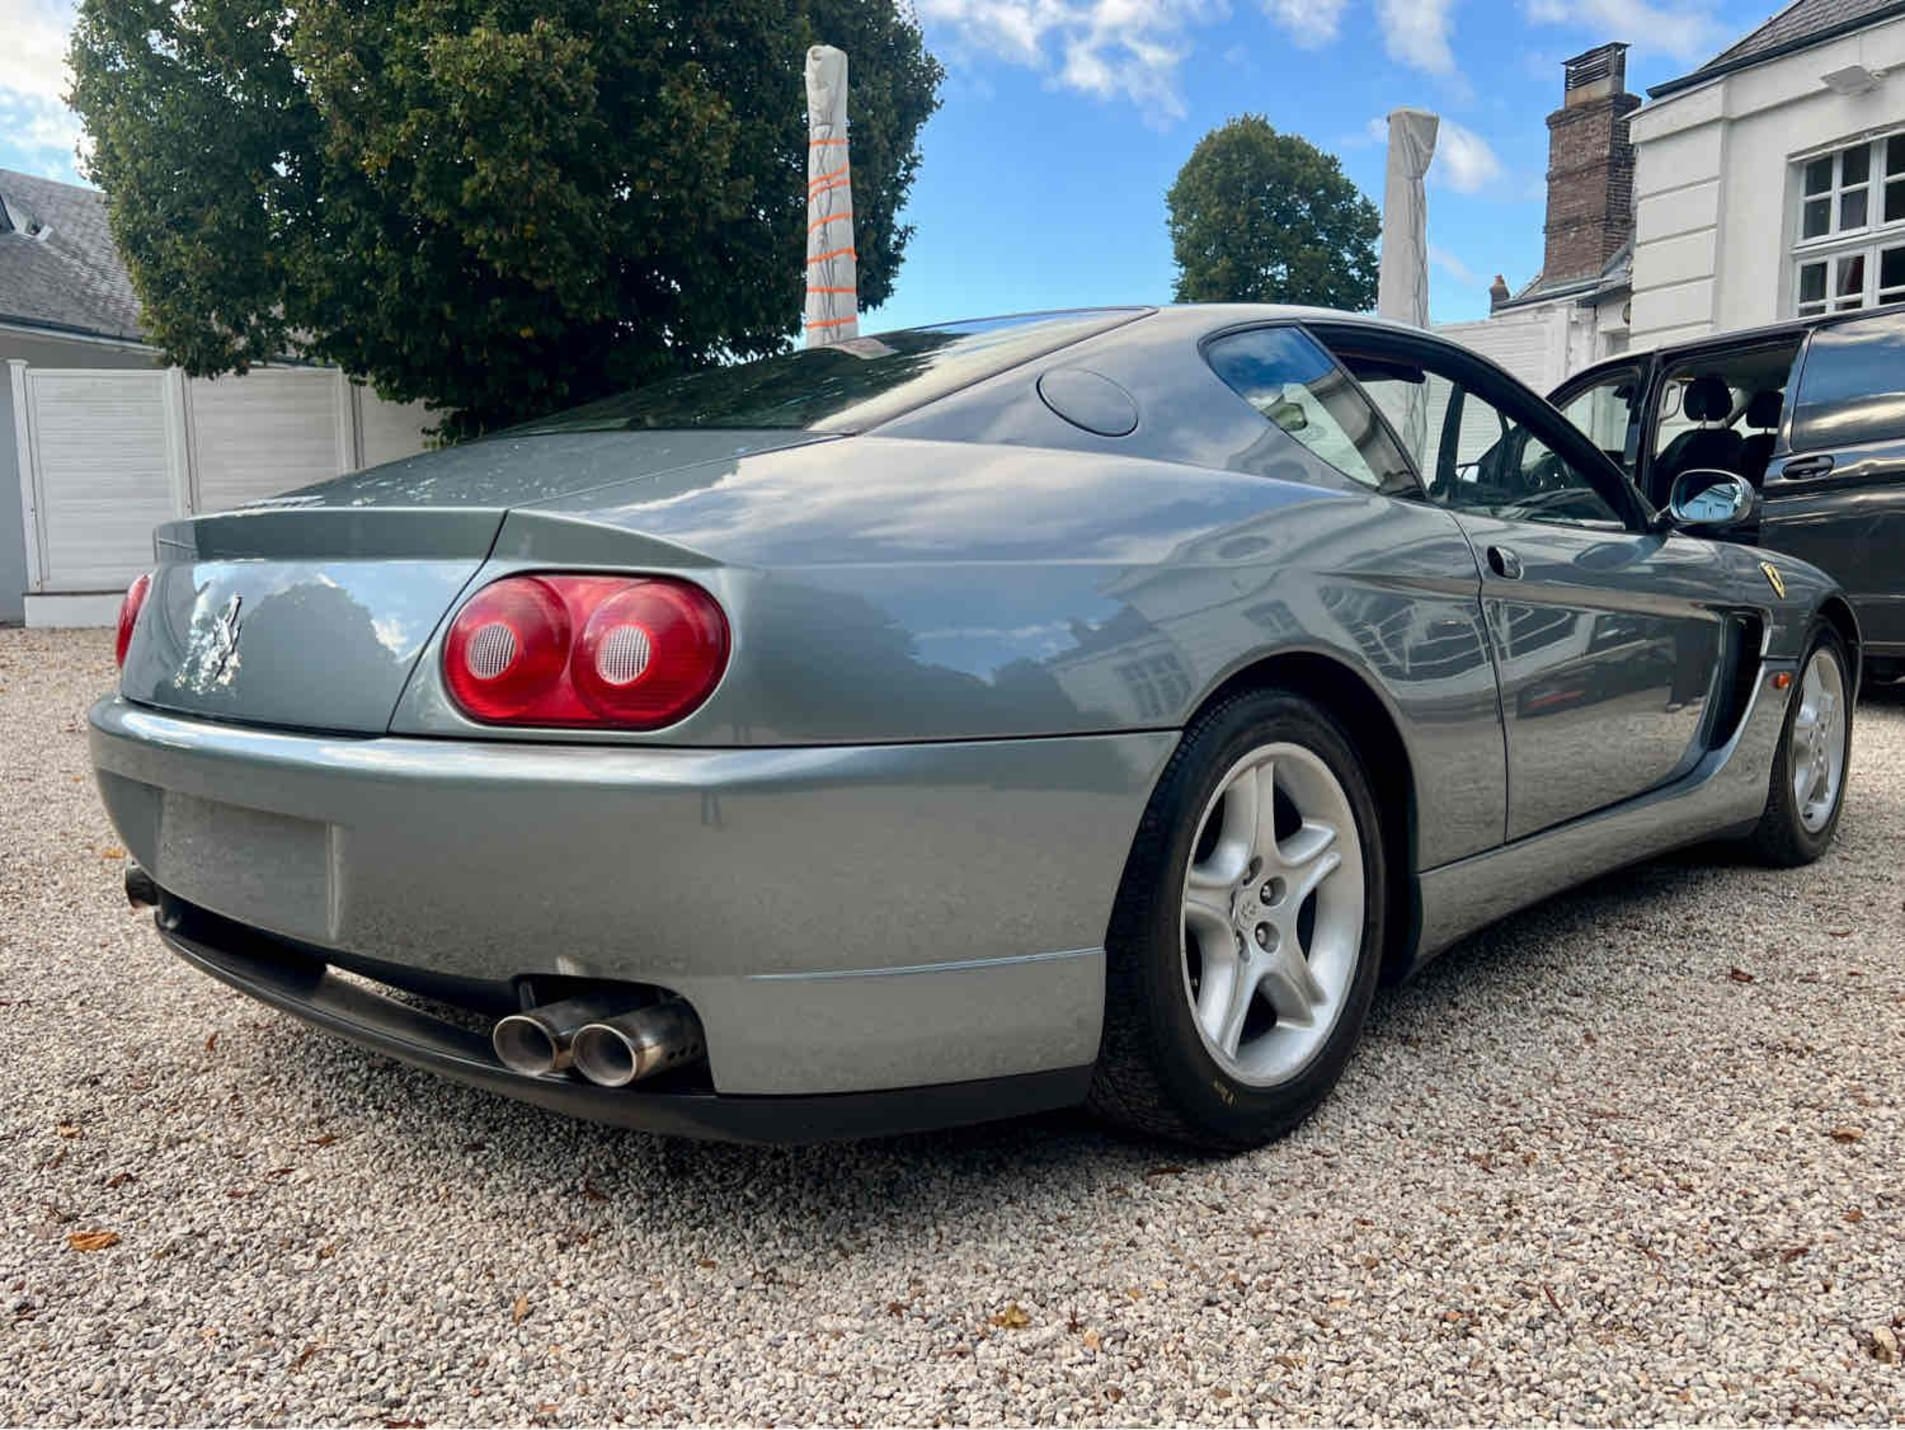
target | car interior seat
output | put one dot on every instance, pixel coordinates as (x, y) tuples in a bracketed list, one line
[(1707, 399), (1762, 413)]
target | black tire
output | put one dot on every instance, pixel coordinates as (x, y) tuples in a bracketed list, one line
[(1781, 838), (1154, 1073)]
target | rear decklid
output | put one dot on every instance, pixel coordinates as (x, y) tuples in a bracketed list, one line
[(308, 611)]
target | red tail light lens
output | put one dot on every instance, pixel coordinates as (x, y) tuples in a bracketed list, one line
[(129, 608), (633, 654)]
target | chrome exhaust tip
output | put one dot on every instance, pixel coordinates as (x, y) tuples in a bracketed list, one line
[(538, 1041), (615, 1052)]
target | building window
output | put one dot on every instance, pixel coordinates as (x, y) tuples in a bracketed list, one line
[(1851, 247)]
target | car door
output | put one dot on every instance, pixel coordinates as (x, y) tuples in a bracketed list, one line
[(1835, 489), (1604, 405), (1606, 637)]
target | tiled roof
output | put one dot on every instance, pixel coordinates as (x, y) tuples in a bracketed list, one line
[(1799, 25), (69, 277)]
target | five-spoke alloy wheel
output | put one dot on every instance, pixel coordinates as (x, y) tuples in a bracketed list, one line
[(1273, 913), (1808, 785), (1248, 933)]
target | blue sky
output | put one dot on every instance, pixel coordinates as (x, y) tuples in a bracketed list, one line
[(1064, 122)]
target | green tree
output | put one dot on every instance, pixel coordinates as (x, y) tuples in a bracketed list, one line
[(1262, 217), (499, 207)]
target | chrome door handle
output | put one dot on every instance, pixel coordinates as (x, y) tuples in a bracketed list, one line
[(1504, 563), (1806, 467)]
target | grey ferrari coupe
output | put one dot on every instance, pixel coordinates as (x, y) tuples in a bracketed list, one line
[(1088, 707)]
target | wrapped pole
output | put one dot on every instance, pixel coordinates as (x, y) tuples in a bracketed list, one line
[(833, 273), (1402, 282), (832, 269)]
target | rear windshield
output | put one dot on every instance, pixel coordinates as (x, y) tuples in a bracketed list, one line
[(844, 388)]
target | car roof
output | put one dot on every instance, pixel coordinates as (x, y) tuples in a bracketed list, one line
[(1737, 338)]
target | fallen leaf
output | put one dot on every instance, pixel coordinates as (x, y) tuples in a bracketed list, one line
[(1093, 1341), (1793, 1253), (1885, 1345), (1169, 1169), (894, 1308), (1012, 1318), (324, 1139), (112, 851), (92, 1240), (1848, 1134), (1838, 933), (521, 1310), (1740, 975), (1854, 1215), (211, 1042), (593, 1192), (119, 1179), (70, 1129), (706, 1263)]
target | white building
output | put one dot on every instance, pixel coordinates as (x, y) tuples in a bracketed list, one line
[(1770, 182), (1767, 184)]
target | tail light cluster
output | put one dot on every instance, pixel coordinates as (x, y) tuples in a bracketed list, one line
[(129, 607), (631, 653)]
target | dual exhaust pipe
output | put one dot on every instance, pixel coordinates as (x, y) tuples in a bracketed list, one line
[(601, 1037)]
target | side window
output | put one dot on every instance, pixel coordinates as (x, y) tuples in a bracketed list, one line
[(1604, 413), (1476, 456), (1296, 387), (1852, 387)]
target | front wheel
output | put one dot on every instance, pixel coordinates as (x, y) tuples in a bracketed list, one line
[(1247, 937), (1807, 789)]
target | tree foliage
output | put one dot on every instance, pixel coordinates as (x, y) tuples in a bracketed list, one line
[(1262, 217), (500, 207)]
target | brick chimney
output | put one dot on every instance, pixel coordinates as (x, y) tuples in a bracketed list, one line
[(1590, 167)]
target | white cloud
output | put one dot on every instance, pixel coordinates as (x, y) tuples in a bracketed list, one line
[(1130, 49), (1686, 30), (1463, 159), (1441, 258), (35, 124), (1416, 33), (1310, 24), (36, 33)]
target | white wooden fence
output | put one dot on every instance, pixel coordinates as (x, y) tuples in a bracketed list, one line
[(105, 456)]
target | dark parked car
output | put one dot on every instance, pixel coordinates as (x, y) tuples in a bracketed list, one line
[(1812, 412)]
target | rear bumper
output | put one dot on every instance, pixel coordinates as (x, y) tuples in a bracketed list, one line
[(290, 979), (843, 919)]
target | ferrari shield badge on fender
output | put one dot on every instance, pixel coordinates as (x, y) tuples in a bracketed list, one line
[(1773, 578)]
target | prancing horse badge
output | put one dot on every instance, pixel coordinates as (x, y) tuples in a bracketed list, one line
[(1773, 578)]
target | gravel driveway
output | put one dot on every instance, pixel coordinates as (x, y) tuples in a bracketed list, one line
[(1637, 1155)]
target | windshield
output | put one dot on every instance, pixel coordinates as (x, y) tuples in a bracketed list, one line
[(844, 388)]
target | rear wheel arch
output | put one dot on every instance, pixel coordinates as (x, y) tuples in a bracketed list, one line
[(1376, 736)]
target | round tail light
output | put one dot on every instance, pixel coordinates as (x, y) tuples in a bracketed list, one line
[(133, 602), (563, 650), (650, 653), (507, 648)]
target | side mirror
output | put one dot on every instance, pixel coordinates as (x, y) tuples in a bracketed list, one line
[(1704, 500)]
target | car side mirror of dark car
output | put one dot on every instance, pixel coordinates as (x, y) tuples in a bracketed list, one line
[(1706, 500)]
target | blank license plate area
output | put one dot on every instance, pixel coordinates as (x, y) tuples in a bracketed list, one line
[(258, 868)]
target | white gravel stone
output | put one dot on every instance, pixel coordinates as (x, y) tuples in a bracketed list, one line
[(1581, 1171)]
